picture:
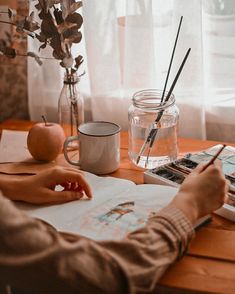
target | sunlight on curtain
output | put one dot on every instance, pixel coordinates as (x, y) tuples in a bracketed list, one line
[(219, 66), (44, 82), (128, 45), (135, 44)]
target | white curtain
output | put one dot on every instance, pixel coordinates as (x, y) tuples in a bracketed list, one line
[(44, 81), (128, 44)]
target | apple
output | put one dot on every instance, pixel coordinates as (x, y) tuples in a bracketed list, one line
[(45, 141)]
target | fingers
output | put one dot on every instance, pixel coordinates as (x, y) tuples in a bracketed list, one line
[(74, 181), (72, 169), (57, 197), (69, 178), (227, 185), (81, 183), (72, 186), (198, 169), (218, 163)]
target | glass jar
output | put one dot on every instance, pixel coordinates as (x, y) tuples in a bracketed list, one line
[(71, 105), (153, 129)]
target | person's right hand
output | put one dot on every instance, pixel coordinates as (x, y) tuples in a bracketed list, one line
[(202, 192)]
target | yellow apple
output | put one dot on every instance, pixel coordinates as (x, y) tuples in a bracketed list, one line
[(45, 141)]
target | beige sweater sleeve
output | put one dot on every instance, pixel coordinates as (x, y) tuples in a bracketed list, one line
[(34, 257)]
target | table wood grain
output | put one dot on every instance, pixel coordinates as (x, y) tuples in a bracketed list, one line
[(195, 272)]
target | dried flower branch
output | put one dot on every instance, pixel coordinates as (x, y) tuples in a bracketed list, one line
[(59, 28), (7, 50)]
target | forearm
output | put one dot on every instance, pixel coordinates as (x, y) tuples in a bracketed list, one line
[(66, 263), (147, 253), (34, 257)]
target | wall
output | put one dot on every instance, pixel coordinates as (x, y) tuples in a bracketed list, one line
[(13, 78)]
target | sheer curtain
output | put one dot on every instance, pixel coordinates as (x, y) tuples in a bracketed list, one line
[(44, 81), (127, 48)]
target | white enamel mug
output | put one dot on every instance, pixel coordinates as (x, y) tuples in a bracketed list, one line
[(99, 147)]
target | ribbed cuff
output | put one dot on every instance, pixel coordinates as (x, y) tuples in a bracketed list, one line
[(177, 224)]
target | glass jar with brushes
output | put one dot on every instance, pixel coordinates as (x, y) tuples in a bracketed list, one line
[(153, 128)]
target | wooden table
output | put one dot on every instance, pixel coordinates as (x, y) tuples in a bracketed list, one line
[(209, 267)]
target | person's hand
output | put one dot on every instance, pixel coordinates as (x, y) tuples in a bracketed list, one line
[(39, 189), (202, 192)]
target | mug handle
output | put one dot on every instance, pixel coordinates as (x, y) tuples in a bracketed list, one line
[(66, 143)]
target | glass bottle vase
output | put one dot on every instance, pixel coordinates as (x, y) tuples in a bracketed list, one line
[(71, 105)]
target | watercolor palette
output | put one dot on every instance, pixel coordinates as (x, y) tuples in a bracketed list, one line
[(174, 173)]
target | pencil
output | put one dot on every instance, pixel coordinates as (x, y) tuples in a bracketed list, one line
[(213, 158)]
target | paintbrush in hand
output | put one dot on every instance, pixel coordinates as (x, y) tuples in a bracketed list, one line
[(211, 161)]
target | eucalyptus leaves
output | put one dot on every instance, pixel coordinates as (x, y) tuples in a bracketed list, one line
[(59, 28)]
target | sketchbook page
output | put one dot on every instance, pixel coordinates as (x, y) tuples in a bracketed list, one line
[(118, 207), (12, 141), (65, 217), (121, 215)]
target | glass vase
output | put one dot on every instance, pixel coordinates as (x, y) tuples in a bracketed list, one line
[(71, 105)]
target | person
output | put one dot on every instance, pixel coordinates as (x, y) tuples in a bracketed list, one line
[(35, 258)]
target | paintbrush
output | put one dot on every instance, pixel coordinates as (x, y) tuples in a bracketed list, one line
[(211, 161), (231, 191), (151, 133), (154, 131)]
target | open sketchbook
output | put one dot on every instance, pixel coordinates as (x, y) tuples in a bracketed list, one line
[(117, 208)]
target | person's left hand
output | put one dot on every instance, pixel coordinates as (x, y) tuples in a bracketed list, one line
[(40, 188)]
